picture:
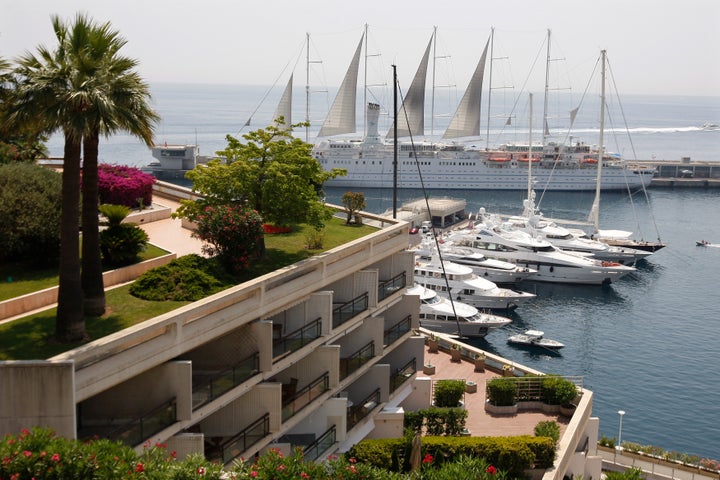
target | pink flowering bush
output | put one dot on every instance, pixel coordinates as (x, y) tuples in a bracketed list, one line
[(232, 233), (123, 185)]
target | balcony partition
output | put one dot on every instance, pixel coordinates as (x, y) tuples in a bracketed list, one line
[(297, 339), (313, 451), (138, 429), (233, 447), (402, 374)]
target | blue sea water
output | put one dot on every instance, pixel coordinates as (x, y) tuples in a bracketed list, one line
[(648, 344)]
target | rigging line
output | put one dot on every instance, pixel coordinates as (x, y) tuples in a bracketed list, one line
[(427, 205), (267, 92), (632, 146)]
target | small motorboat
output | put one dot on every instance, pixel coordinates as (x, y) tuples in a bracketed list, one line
[(702, 243), (534, 338)]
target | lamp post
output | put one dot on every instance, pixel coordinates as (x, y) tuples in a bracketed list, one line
[(619, 444)]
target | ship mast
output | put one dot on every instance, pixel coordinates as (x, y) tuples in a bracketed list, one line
[(595, 211)]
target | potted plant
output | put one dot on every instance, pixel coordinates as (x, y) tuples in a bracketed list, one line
[(480, 362), (502, 396), (558, 391), (449, 393), (508, 371), (455, 353), (433, 344)]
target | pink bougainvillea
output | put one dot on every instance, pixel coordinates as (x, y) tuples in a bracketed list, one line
[(123, 185)]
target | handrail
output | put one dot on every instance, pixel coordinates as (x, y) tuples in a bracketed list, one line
[(347, 310), (297, 339), (357, 359), (398, 330), (305, 396), (356, 413), (224, 380), (313, 451), (247, 437), (402, 374), (388, 287), (137, 430)]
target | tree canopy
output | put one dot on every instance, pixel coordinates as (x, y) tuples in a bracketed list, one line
[(271, 172)]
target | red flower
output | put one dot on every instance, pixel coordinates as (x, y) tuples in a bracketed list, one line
[(27, 453), (491, 470), (139, 468), (428, 458), (55, 457)]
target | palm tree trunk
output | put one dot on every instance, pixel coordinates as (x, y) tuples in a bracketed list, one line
[(70, 322), (91, 276)]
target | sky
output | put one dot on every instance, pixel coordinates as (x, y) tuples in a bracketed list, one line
[(654, 46)]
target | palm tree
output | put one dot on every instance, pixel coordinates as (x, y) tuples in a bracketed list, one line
[(84, 88), (116, 99)]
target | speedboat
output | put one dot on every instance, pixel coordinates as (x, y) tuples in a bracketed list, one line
[(449, 278), (552, 264), (534, 338), (456, 318)]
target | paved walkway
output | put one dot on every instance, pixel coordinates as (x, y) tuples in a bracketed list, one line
[(169, 235)]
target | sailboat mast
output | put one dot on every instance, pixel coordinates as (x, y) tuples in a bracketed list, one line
[(365, 85), (492, 48), (547, 88), (432, 93), (529, 184), (601, 149), (307, 85)]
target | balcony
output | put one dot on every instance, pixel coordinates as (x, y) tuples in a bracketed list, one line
[(397, 330), (297, 339), (355, 413), (299, 400), (232, 448), (313, 451), (352, 363), (207, 386), (344, 312), (134, 431), (388, 287), (402, 374)]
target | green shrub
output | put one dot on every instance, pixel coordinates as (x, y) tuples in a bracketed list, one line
[(120, 243), (30, 207), (448, 393), (558, 391), (502, 391), (188, 278), (549, 428)]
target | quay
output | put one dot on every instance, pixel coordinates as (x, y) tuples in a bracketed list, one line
[(683, 174)]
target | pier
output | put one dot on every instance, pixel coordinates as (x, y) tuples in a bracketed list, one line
[(684, 174)]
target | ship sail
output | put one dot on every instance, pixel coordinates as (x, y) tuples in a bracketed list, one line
[(341, 118), (284, 108), (466, 121), (412, 113)]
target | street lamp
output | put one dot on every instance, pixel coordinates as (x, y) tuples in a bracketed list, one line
[(619, 444)]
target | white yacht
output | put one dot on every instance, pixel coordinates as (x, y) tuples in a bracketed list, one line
[(551, 263), (437, 314), (465, 285)]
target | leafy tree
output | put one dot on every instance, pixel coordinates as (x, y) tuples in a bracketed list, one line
[(353, 202), (30, 205), (271, 172)]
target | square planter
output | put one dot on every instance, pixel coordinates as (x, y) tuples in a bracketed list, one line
[(429, 369), (470, 387)]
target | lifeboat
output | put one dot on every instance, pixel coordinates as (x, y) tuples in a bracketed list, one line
[(589, 160), (525, 158), (498, 158)]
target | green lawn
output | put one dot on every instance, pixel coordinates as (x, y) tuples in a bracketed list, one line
[(32, 337), (21, 278)]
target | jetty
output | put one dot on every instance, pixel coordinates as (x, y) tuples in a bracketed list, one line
[(683, 173)]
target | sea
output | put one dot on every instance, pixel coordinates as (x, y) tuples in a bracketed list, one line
[(647, 345)]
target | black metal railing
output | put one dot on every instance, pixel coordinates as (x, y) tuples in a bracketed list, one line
[(350, 364), (355, 413), (388, 287), (297, 339), (402, 374), (346, 311), (313, 451), (397, 330), (249, 436), (207, 388), (139, 429), (304, 396)]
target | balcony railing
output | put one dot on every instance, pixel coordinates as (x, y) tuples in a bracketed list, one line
[(402, 374), (305, 396), (388, 287), (313, 451), (350, 364), (397, 330), (298, 338), (139, 429), (208, 387), (355, 413), (348, 310), (249, 436)]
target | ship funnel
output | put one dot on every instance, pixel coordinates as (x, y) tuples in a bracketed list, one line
[(371, 127)]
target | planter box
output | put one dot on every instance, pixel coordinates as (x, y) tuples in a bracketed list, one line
[(429, 369), (470, 387), (505, 410), (550, 409)]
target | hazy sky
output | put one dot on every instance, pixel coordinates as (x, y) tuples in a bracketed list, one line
[(654, 46)]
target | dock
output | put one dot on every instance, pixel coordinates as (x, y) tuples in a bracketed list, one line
[(683, 174)]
